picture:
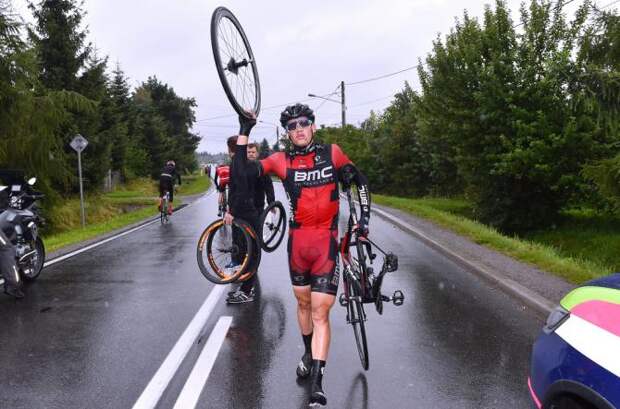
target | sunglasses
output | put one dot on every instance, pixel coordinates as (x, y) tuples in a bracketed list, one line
[(303, 123)]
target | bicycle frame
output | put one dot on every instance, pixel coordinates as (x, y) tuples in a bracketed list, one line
[(222, 202), (349, 239), (367, 284)]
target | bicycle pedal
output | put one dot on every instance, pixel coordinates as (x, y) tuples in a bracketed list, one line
[(398, 298), (343, 300)]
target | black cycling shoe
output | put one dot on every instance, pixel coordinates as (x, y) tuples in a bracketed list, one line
[(14, 292), (241, 297), (317, 398), (304, 366)]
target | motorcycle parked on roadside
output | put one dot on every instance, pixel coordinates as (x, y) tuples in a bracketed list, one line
[(20, 222)]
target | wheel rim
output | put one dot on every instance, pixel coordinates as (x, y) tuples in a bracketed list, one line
[(254, 242), (214, 251), (35, 264), (356, 315), (235, 62)]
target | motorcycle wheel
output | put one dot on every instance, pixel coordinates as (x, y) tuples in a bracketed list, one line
[(33, 267)]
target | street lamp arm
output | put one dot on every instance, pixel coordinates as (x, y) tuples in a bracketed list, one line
[(318, 96)]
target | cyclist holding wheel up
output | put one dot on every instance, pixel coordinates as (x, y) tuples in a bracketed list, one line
[(310, 172)]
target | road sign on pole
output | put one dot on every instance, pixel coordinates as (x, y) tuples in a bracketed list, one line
[(78, 144)]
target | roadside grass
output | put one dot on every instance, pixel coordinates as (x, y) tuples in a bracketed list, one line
[(584, 234), (193, 184), (59, 240), (561, 251), (126, 205)]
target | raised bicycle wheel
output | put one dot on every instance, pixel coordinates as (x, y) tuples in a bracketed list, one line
[(224, 251), (273, 226), (357, 317), (255, 252), (235, 62)]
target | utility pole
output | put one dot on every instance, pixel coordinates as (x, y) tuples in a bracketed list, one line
[(343, 106)]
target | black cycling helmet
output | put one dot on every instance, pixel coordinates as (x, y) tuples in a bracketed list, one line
[(296, 111)]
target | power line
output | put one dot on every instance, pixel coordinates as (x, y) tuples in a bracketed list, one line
[(374, 100), (557, 6), (335, 91), (383, 76), (417, 65), (264, 109), (610, 4)]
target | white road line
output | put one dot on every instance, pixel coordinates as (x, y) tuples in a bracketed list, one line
[(200, 373), (153, 391), (99, 243)]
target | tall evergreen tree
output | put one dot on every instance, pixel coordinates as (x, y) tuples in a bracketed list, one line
[(121, 101), (177, 115), (264, 149), (60, 42), (99, 126)]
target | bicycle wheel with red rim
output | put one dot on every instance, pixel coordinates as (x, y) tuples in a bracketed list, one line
[(224, 252), (256, 251)]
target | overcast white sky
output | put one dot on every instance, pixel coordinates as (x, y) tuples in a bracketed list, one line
[(300, 48)]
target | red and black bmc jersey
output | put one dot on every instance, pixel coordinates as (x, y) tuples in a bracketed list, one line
[(311, 183)]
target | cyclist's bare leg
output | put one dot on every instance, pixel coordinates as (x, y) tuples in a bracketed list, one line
[(304, 310), (321, 306)]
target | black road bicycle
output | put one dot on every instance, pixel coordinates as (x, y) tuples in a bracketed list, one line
[(361, 284)]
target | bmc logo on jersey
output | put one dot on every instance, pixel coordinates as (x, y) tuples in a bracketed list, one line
[(318, 175)]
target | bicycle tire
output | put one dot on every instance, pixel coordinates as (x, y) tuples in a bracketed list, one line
[(275, 230), (213, 271), (356, 317), (256, 250), (217, 32), (163, 213)]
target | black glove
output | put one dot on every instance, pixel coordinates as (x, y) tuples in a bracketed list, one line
[(246, 124), (362, 226), (346, 176)]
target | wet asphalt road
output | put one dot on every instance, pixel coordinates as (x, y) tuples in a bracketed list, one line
[(95, 328)]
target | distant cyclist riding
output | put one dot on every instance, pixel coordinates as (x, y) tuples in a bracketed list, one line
[(310, 174), (166, 184)]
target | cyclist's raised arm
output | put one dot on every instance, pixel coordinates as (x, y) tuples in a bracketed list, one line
[(241, 166)]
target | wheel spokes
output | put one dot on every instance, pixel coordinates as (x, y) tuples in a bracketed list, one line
[(235, 56)]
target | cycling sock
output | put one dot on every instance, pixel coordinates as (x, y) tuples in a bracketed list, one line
[(307, 342)]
